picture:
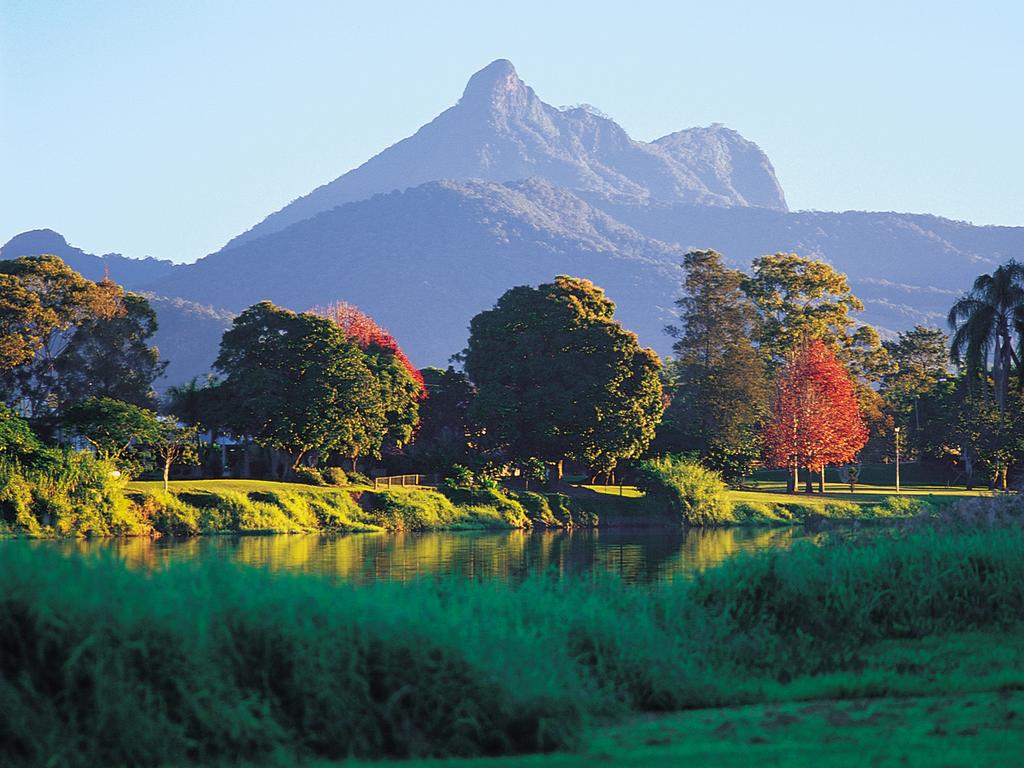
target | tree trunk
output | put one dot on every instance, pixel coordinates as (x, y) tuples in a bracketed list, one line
[(791, 479), (560, 469), (809, 480), (355, 463), (246, 460), (167, 474), (821, 481), (968, 467)]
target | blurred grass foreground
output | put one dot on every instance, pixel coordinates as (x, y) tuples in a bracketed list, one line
[(209, 663)]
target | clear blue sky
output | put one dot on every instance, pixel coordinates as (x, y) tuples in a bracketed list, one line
[(165, 128)]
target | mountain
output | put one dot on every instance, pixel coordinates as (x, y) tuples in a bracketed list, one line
[(501, 131), (425, 260), (502, 190), (122, 269), (188, 335)]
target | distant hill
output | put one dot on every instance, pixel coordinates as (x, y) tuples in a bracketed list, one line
[(189, 333), (424, 261), (501, 131), (122, 269)]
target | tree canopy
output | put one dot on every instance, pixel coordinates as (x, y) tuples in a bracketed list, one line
[(720, 388), (295, 382), (815, 418), (558, 378)]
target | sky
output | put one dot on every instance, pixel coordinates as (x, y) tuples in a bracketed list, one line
[(166, 128)]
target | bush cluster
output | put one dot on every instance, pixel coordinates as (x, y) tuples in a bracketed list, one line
[(697, 495)]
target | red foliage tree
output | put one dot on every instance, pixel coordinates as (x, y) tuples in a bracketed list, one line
[(815, 418), (364, 331)]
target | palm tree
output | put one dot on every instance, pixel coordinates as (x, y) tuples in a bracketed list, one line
[(986, 322)]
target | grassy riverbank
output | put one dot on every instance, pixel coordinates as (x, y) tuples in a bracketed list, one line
[(203, 663), (85, 499)]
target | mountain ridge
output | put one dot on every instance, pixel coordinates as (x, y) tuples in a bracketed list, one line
[(500, 130)]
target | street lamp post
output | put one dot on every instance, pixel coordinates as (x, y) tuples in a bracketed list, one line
[(897, 460)]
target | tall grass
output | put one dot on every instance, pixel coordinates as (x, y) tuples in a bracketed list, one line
[(102, 665), (699, 496)]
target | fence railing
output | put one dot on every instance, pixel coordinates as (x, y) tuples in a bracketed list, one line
[(406, 481)]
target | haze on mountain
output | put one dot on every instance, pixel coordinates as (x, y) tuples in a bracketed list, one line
[(502, 190), (501, 131)]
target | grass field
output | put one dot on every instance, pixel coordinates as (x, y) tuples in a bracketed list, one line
[(877, 484), (238, 486), (975, 729)]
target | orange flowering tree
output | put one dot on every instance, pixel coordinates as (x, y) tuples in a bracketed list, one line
[(815, 417)]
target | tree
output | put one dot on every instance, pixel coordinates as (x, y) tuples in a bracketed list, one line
[(920, 361), (442, 439), (720, 389), (17, 440), (174, 444), (41, 301), (113, 428), (800, 299), (558, 378), (402, 385), (988, 323), (815, 418), (295, 383), (111, 356)]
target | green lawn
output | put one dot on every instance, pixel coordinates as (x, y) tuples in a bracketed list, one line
[(239, 486)]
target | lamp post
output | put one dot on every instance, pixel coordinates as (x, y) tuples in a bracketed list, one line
[(897, 460)]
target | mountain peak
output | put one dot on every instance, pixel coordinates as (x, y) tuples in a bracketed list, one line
[(496, 85), (35, 241)]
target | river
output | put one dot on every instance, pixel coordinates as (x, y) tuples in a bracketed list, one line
[(637, 555)]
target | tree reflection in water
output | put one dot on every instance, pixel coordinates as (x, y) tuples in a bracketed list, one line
[(637, 555)]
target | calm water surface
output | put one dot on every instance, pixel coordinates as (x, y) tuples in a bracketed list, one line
[(641, 555)]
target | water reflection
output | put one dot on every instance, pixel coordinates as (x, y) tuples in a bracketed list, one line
[(636, 555)]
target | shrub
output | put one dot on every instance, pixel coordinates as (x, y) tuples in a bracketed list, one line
[(335, 476), (309, 476), (358, 478), (511, 512), (903, 506), (761, 512), (169, 515), (699, 496)]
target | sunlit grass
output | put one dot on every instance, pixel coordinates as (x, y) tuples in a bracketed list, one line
[(239, 486)]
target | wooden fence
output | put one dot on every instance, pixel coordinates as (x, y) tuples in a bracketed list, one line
[(406, 481)]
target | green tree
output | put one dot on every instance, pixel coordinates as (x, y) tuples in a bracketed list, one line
[(174, 444), (113, 428), (111, 356), (41, 301), (988, 323), (920, 359), (800, 299), (720, 386), (295, 383), (442, 439), (17, 440), (558, 378)]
